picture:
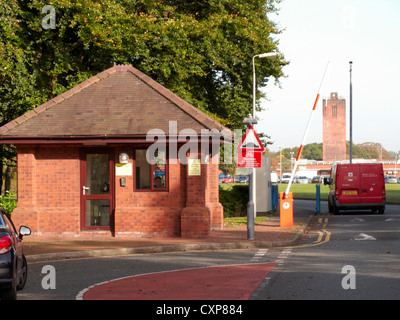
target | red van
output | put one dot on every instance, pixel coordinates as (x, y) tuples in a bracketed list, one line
[(356, 187)]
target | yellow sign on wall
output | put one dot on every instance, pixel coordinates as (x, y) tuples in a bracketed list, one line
[(194, 167), (123, 169)]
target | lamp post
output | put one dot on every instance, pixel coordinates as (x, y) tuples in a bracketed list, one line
[(351, 113), (291, 160), (280, 164), (269, 55), (251, 206)]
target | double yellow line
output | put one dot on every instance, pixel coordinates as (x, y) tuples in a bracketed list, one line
[(321, 235)]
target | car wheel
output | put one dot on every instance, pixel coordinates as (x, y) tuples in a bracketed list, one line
[(23, 275), (10, 293), (381, 210)]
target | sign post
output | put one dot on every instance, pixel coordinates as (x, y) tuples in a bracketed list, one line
[(249, 156)]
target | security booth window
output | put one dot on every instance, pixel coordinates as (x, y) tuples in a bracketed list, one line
[(150, 174)]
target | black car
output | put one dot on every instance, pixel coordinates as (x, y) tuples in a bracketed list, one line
[(316, 179), (13, 266)]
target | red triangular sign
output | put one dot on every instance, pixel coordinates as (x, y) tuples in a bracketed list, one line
[(251, 141)]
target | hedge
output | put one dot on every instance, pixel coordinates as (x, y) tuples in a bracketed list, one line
[(234, 199)]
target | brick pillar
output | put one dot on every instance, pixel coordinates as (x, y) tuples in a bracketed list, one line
[(196, 216), (217, 211)]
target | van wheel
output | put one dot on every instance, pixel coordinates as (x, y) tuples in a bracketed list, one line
[(335, 210), (330, 209), (381, 210)]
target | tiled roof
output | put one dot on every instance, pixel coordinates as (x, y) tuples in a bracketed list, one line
[(120, 101)]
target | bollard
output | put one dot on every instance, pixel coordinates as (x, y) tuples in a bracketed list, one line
[(274, 197), (286, 209), (318, 199)]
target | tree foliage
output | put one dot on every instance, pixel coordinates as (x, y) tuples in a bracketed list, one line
[(313, 151), (201, 50)]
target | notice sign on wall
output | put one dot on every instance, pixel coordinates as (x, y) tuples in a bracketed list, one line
[(123, 169), (194, 167)]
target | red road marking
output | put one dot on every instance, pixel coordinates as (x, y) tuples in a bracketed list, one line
[(236, 282)]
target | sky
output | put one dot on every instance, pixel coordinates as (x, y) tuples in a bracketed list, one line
[(320, 34)]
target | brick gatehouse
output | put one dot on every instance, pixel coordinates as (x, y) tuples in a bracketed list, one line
[(83, 171)]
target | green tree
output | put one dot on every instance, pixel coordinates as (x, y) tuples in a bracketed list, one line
[(17, 89), (312, 151), (367, 150), (200, 50)]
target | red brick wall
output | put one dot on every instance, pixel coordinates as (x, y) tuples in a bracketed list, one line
[(49, 198), (143, 213), (190, 207), (48, 189)]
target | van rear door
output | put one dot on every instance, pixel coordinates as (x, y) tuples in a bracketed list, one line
[(372, 183), (348, 183)]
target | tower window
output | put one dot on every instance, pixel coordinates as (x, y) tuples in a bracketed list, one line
[(334, 111)]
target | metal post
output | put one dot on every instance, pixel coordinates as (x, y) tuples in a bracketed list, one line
[(250, 204), (351, 113), (250, 209), (280, 164), (252, 182)]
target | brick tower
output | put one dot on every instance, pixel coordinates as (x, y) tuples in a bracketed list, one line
[(334, 128)]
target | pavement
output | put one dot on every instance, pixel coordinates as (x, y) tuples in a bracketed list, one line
[(267, 234)]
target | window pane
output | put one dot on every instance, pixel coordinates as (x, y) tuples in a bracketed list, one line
[(159, 170), (97, 213), (142, 170), (3, 223), (97, 174)]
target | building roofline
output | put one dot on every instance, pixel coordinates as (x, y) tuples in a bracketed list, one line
[(186, 107), (112, 139)]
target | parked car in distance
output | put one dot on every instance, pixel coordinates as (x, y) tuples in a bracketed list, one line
[(398, 180), (227, 179), (286, 178), (302, 179), (242, 179), (391, 179), (316, 179), (13, 266)]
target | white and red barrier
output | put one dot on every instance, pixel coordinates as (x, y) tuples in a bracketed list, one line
[(305, 135)]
